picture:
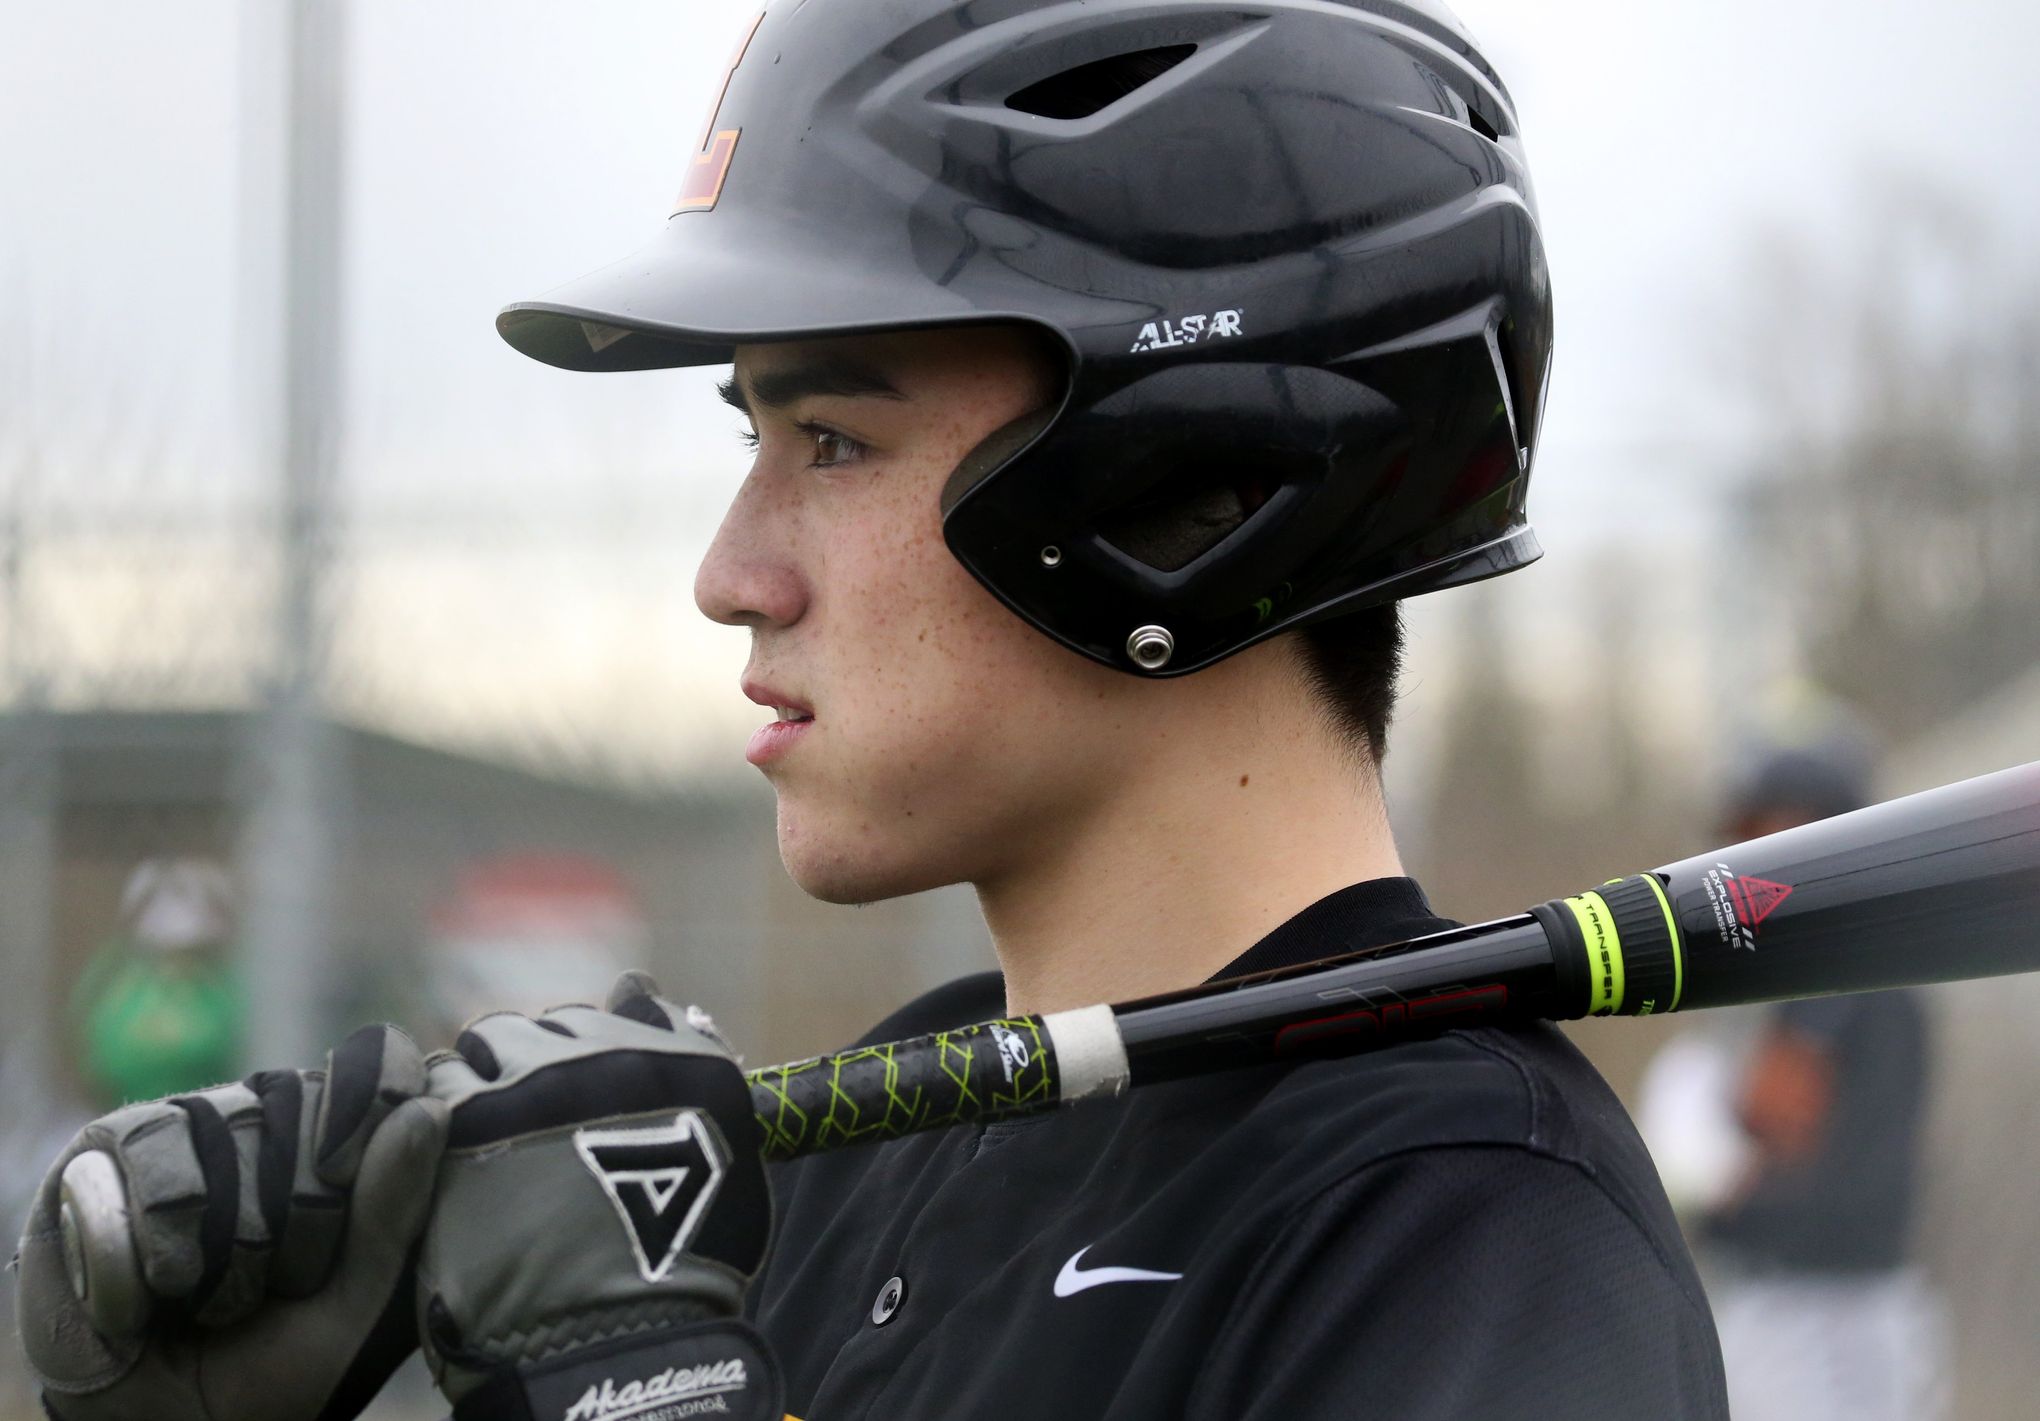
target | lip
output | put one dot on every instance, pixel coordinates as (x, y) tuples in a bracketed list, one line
[(775, 738), (773, 697)]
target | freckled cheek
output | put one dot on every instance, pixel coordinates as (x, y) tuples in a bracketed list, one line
[(921, 653), (877, 596), (932, 673)]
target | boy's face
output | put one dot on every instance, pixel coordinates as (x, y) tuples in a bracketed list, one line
[(948, 741)]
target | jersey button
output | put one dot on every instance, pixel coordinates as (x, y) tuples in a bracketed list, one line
[(888, 1301)]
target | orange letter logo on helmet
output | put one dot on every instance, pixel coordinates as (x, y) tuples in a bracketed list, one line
[(703, 183)]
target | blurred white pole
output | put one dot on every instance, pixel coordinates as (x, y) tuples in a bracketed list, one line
[(28, 847), (292, 62)]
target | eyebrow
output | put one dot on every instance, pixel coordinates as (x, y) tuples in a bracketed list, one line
[(776, 389)]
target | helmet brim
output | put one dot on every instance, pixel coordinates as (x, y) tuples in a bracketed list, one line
[(680, 302)]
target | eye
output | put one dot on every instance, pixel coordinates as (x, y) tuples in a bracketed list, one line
[(831, 448)]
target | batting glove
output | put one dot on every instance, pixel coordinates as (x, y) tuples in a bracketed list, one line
[(271, 1224), (601, 1210)]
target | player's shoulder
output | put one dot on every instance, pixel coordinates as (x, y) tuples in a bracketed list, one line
[(1524, 1089), (1521, 1085)]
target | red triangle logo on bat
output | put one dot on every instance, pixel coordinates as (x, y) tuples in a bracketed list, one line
[(1757, 898)]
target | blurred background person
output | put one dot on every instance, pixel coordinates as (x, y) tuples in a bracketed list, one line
[(1791, 1140), (159, 1009)]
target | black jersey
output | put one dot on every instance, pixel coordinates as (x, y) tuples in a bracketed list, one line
[(1466, 1227)]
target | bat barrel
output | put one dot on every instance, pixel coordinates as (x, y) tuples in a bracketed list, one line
[(1936, 887)]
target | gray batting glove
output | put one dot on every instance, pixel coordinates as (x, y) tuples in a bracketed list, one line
[(272, 1225), (601, 1209)]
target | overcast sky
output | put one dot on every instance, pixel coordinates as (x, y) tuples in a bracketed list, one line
[(497, 147)]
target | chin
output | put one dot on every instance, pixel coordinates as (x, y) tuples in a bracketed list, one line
[(853, 864)]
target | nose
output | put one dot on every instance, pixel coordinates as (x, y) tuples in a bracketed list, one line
[(751, 577)]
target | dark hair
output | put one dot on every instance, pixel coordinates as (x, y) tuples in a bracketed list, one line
[(1353, 662)]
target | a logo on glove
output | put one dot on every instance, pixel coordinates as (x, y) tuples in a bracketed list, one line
[(707, 1381), (661, 1178)]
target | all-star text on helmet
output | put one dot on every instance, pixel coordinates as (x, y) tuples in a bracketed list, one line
[(1290, 248)]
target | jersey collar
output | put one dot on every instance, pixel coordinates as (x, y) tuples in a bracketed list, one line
[(1370, 914)]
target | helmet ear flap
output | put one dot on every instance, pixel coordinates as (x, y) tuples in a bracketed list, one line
[(1189, 499)]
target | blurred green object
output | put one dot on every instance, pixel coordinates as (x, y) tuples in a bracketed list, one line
[(160, 1008), (158, 1024)]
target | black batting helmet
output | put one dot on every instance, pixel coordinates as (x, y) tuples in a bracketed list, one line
[(1290, 246)]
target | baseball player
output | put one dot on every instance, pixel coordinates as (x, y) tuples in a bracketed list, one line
[(1824, 1310), (1113, 367)]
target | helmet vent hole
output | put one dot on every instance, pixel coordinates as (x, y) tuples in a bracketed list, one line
[(1084, 90), (1477, 121), (1185, 519)]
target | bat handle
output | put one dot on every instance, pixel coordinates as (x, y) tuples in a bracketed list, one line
[(99, 1245)]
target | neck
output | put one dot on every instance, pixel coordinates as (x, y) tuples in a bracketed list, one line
[(1245, 810)]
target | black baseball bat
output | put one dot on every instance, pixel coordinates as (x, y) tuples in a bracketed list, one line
[(1936, 887)]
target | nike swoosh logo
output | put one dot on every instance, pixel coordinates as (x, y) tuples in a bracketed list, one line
[(1074, 1280)]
